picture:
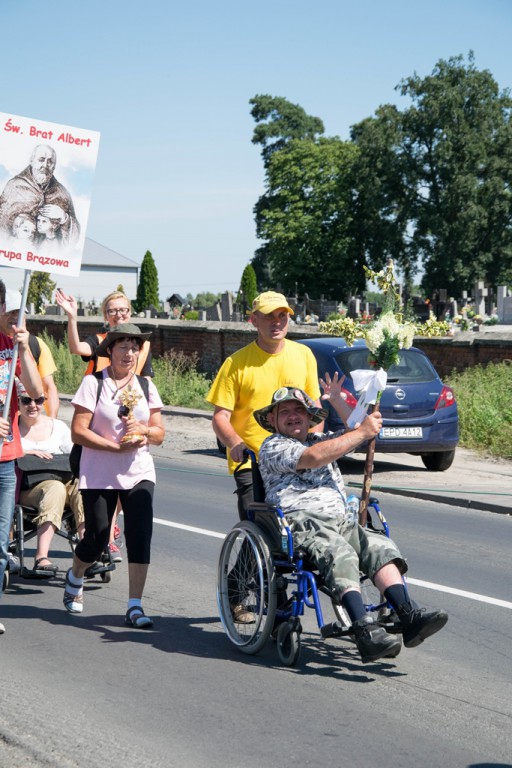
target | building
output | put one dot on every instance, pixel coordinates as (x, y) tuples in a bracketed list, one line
[(101, 272)]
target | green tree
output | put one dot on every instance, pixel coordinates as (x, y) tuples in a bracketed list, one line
[(40, 288), (248, 288), (438, 178), (305, 217), (278, 122), (205, 300), (147, 289)]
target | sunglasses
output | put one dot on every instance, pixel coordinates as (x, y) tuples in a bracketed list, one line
[(37, 400)]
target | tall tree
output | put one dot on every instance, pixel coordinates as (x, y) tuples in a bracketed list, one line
[(40, 288), (441, 174), (278, 122), (304, 219), (147, 289), (248, 288)]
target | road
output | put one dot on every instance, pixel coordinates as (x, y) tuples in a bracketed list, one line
[(87, 691)]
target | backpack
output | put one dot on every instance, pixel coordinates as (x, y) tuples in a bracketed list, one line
[(76, 451), (35, 347)]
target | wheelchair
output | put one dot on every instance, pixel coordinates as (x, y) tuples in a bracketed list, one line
[(257, 564), (24, 529)]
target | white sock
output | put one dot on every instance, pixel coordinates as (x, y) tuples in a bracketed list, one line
[(75, 584), (134, 602)]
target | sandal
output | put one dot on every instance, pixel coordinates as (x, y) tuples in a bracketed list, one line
[(73, 603), (136, 618), (50, 568)]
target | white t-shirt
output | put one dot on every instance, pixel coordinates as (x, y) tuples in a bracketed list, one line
[(58, 442), (106, 469)]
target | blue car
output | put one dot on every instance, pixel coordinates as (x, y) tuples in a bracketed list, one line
[(419, 411)]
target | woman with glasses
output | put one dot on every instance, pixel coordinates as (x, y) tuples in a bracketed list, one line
[(115, 425), (45, 437), (116, 309)]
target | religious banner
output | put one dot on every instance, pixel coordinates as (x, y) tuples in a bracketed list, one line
[(46, 176)]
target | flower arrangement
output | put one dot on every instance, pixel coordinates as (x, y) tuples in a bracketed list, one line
[(385, 338), (433, 327)]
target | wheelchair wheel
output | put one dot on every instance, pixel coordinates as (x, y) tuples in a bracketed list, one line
[(246, 586), (288, 643)]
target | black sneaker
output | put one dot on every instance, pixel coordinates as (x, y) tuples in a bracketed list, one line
[(373, 642), (418, 623)]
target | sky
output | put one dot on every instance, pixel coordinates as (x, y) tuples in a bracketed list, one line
[(167, 84)]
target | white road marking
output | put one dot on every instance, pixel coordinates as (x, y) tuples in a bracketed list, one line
[(416, 582), (460, 593)]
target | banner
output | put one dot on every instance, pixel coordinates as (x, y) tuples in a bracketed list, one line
[(46, 175)]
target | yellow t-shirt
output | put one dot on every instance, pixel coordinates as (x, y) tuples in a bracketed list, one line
[(46, 364), (248, 379)]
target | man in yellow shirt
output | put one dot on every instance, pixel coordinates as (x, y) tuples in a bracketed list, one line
[(247, 380)]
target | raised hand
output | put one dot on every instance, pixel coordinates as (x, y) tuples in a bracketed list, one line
[(332, 387), (68, 303)]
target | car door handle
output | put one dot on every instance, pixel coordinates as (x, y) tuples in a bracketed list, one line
[(400, 408)]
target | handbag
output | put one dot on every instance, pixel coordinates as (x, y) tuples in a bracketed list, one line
[(35, 470)]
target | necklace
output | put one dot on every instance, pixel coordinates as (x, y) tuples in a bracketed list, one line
[(119, 386)]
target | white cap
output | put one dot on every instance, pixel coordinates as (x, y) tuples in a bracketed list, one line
[(12, 300)]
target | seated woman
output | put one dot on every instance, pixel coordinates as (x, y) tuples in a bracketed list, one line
[(45, 437)]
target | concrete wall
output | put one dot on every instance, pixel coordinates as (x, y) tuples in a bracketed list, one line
[(214, 341)]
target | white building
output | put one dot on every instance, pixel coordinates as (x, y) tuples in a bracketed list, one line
[(101, 272)]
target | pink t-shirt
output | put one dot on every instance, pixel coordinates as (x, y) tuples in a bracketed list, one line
[(105, 469)]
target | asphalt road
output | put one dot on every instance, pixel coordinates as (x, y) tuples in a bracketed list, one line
[(87, 691)]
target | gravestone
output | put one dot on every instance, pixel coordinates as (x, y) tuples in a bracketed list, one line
[(481, 293)]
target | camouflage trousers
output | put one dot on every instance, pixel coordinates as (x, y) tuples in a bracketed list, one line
[(340, 550)]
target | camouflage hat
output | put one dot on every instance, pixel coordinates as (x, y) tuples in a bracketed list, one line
[(316, 415)]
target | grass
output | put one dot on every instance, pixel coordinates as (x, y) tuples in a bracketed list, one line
[(484, 394), (484, 398)]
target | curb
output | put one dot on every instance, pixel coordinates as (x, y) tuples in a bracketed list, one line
[(452, 501)]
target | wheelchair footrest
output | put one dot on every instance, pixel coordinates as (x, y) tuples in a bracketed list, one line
[(334, 629), (98, 568), (28, 573)]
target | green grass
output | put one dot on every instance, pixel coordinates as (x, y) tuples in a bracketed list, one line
[(484, 399)]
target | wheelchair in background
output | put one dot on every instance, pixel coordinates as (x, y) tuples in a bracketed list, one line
[(24, 529), (258, 563)]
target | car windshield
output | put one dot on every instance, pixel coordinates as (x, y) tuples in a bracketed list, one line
[(412, 367)]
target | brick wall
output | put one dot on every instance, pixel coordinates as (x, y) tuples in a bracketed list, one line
[(214, 341)]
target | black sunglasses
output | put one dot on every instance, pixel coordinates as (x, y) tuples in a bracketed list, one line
[(37, 400)]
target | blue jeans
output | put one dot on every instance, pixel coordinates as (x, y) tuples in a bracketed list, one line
[(7, 498)]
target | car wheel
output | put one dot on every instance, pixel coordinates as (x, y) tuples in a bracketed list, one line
[(438, 462)]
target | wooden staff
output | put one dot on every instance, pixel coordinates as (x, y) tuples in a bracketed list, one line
[(368, 473)]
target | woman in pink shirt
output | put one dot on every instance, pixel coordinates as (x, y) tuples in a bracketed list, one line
[(116, 461)]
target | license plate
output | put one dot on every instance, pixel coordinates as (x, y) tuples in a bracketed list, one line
[(401, 432)]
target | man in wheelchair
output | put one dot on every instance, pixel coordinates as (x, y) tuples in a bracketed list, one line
[(301, 476)]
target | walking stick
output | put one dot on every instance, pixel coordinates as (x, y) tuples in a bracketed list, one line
[(368, 473)]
